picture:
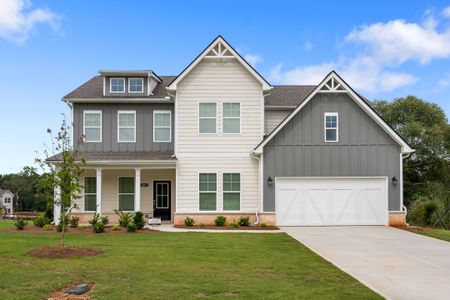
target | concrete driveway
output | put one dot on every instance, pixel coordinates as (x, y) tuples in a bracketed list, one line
[(395, 263)]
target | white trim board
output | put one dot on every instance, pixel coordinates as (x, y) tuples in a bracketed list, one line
[(405, 148)]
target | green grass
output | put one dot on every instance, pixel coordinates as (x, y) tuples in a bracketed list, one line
[(437, 233), (175, 265)]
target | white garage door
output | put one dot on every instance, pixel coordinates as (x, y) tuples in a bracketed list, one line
[(331, 201)]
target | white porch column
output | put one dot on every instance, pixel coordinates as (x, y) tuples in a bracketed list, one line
[(98, 190), (137, 190), (57, 205)]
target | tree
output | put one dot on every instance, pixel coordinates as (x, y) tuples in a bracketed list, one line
[(425, 127), (63, 173)]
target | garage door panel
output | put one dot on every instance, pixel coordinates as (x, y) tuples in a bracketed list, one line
[(331, 201)]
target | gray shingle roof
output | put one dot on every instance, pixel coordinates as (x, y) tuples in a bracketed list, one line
[(288, 95), (118, 156), (4, 191), (93, 88)]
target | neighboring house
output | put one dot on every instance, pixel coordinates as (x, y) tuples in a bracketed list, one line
[(218, 139), (7, 201)]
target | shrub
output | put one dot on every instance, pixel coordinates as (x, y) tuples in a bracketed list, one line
[(220, 220), (263, 225), (116, 228), (81, 227), (104, 220), (202, 225), (422, 212), (124, 218), (47, 227), (189, 222), (233, 225), (41, 221), (20, 224), (99, 227), (95, 220), (138, 220), (59, 227), (74, 221), (244, 221), (131, 227)]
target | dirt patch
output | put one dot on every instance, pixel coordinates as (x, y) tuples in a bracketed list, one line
[(66, 252), (61, 294), (249, 228), (415, 229)]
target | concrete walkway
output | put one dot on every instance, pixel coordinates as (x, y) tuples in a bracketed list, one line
[(395, 263), (169, 228)]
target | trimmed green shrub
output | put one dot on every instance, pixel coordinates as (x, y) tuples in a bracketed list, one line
[(104, 220), (131, 227), (124, 218), (95, 219), (81, 227), (99, 227), (74, 221), (202, 225), (20, 224), (116, 228), (189, 222), (263, 225), (47, 227), (244, 221), (220, 220), (59, 227), (138, 220), (233, 225), (41, 221)]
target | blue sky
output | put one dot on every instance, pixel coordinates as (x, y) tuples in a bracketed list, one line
[(384, 49)]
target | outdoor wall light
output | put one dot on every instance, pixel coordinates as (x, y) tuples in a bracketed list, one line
[(394, 180), (269, 180)]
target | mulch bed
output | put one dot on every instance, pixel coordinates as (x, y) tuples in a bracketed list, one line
[(30, 228), (61, 294), (66, 252), (415, 229), (249, 228)]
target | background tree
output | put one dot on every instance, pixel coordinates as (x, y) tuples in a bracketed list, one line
[(63, 173)]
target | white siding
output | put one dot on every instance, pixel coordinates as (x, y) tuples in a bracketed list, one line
[(272, 118), (189, 168)]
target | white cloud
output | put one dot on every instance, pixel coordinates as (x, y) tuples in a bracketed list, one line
[(446, 12), (372, 52), (17, 19), (253, 59)]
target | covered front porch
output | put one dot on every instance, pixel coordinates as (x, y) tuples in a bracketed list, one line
[(149, 188)]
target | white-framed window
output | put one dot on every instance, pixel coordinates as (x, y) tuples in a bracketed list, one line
[(135, 85), (117, 85), (207, 187), (92, 126), (126, 193), (90, 193), (231, 117), (162, 126), (7, 200), (231, 183), (126, 126), (207, 117), (8, 211), (331, 127)]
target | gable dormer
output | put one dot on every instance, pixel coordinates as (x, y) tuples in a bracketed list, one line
[(117, 83)]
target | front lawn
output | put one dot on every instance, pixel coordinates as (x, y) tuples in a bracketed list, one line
[(174, 265), (441, 234)]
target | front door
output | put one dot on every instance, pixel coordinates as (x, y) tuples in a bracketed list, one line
[(161, 200)]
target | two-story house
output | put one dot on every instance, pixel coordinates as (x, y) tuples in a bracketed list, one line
[(7, 201), (219, 139)]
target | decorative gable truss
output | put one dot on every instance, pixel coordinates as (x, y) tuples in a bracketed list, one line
[(332, 86), (219, 51)]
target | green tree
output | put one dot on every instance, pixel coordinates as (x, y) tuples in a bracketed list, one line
[(63, 173)]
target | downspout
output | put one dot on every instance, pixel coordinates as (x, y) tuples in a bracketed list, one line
[(258, 208), (404, 208)]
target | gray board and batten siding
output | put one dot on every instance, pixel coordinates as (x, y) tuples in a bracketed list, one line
[(363, 149)]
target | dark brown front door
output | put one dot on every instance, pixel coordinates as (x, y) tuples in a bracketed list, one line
[(161, 200)]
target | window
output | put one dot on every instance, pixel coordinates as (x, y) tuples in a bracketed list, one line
[(207, 191), (117, 85), (126, 126), (90, 193), (331, 127), (231, 191), (231, 118), (92, 126), (207, 118), (126, 193), (8, 211), (135, 85), (162, 131)]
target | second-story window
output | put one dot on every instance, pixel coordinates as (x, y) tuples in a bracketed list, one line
[(331, 127), (117, 85), (135, 85), (162, 126), (231, 118), (207, 118), (92, 126), (126, 126)]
